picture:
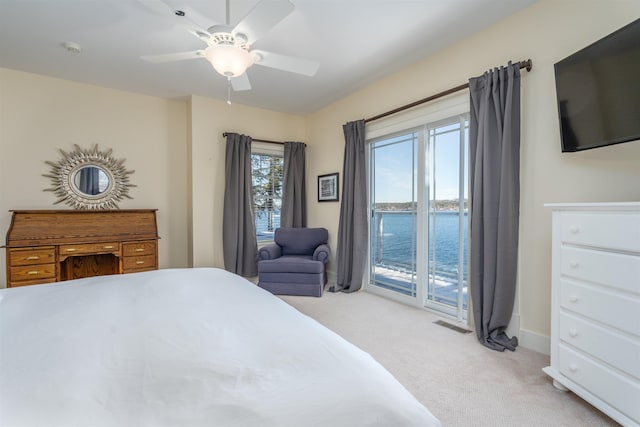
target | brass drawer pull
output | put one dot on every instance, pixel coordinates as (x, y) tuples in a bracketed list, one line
[(139, 249), (71, 250), (31, 273), (108, 247), (32, 258), (139, 262)]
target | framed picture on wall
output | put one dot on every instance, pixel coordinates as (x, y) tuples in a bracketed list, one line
[(328, 187)]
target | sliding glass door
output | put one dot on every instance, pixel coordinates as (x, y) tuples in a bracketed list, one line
[(419, 227), (447, 217), (393, 223)]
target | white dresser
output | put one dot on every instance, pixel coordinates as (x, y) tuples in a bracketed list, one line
[(595, 305)]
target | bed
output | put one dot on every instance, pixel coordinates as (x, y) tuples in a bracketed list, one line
[(183, 347)]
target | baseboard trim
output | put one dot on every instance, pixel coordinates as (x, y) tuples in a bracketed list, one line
[(535, 341)]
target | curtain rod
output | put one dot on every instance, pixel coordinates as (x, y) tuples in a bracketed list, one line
[(263, 140), (260, 140), (523, 64)]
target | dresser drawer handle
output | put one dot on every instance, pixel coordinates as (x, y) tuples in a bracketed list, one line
[(573, 367), (574, 264), (32, 258), (573, 333), (108, 247), (139, 262), (71, 250), (574, 229), (573, 298), (33, 272), (139, 249)]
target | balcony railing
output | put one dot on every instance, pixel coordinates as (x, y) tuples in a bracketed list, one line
[(393, 260)]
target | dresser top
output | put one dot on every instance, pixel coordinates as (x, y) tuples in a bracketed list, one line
[(595, 206), (78, 211)]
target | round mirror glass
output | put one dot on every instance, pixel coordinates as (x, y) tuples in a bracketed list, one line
[(91, 180)]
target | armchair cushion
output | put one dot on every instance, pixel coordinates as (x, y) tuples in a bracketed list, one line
[(287, 264)]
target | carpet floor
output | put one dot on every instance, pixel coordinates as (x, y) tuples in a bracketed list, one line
[(461, 382)]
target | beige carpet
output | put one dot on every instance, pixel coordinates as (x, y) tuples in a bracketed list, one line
[(459, 380)]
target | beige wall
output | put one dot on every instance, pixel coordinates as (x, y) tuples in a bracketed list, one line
[(546, 32), (208, 120), (39, 115)]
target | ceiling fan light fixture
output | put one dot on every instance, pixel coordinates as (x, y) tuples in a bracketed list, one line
[(228, 60)]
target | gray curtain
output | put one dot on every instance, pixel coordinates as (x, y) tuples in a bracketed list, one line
[(351, 252), (294, 194), (494, 168), (240, 247)]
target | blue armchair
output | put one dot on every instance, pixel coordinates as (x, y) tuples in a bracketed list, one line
[(296, 263)]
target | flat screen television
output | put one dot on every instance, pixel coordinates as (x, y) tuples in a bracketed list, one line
[(598, 92)]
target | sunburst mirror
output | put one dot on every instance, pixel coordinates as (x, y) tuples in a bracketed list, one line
[(89, 179)]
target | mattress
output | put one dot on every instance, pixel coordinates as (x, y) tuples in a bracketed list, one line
[(183, 347)]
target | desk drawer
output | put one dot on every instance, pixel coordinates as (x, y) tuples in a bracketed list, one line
[(601, 229), (145, 262), (32, 272), (31, 282), (139, 248), (31, 256), (89, 248)]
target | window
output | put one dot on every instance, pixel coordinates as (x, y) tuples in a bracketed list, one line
[(267, 164)]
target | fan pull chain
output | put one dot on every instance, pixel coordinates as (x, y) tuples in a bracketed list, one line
[(229, 90)]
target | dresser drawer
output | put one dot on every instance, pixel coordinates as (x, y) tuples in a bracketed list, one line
[(31, 256), (621, 392), (611, 347), (32, 272), (89, 248), (601, 229), (617, 270), (608, 307), (145, 262), (139, 248), (31, 282)]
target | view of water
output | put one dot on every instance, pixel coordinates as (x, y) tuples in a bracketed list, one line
[(393, 252), (397, 242)]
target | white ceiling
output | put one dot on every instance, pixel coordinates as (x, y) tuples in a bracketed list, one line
[(355, 41)]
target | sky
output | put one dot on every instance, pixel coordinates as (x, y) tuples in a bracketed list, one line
[(396, 168)]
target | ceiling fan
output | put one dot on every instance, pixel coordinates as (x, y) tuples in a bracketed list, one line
[(229, 48)]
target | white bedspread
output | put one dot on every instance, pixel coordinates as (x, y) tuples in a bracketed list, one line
[(192, 347)]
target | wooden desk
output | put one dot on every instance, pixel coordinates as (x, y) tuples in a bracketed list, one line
[(45, 246)]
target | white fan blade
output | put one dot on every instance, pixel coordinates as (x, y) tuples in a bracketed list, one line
[(241, 83), (262, 18), (159, 7), (171, 57), (287, 63)]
